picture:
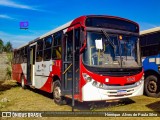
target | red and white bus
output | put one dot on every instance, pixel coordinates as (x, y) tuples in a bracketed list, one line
[(98, 56)]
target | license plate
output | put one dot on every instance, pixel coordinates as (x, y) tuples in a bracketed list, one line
[(121, 92)]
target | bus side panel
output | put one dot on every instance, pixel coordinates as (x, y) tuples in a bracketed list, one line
[(24, 71), (54, 71), (38, 74), (47, 85), (42, 74), (46, 80), (16, 72), (151, 63)]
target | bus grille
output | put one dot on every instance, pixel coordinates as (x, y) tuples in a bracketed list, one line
[(118, 73)]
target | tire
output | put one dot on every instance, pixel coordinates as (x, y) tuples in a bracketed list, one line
[(18, 83), (22, 82), (58, 98), (152, 86)]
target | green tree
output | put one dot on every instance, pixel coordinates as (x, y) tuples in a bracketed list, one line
[(7, 47)]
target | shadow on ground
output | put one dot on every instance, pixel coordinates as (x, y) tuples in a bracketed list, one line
[(45, 94), (88, 105), (154, 106), (6, 85), (98, 105)]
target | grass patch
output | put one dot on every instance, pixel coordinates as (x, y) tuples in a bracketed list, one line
[(19, 99)]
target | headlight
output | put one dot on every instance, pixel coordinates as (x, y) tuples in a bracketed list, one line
[(139, 82), (94, 83), (101, 85), (87, 77), (97, 84), (90, 79)]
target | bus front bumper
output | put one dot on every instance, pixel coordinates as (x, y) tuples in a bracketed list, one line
[(93, 93)]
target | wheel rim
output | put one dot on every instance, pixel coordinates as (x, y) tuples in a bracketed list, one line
[(22, 82), (57, 93), (152, 86)]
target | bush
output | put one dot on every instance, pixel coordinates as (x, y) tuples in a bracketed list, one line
[(9, 67)]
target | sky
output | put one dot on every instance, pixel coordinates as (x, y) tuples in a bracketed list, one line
[(45, 15)]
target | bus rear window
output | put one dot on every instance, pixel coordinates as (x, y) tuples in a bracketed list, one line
[(111, 23)]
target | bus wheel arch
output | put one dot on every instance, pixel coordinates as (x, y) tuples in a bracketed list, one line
[(152, 84), (56, 91)]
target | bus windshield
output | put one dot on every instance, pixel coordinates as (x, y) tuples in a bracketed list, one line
[(107, 50)]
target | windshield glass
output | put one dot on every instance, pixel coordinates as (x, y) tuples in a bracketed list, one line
[(110, 50)]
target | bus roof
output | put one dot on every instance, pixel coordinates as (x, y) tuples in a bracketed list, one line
[(56, 29), (152, 30), (52, 31), (21, 46)]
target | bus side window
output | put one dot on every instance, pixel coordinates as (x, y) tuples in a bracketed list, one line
[(69, 45), (47, 48), (25, 55), (39, 53), (39, 56), (17, 57), (21, 55), (56, 49), (148, 42), (56, 52), (77, 43)]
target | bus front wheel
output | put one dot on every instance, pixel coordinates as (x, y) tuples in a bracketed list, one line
[(58, 98), (152, 86)]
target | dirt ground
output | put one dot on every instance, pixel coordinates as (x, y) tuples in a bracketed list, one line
[(14, 98)]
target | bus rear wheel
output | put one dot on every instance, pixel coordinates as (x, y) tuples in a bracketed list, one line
[(152, 86), (58, 98)]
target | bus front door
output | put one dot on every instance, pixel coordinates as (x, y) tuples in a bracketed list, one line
[(70, 65), (31, 64)]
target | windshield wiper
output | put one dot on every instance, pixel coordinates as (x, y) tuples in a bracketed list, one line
[(109, 40), (111, 43)]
